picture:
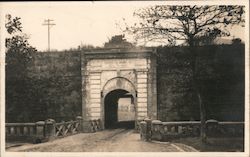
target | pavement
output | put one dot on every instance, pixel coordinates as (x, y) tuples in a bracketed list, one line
[(113, 140)]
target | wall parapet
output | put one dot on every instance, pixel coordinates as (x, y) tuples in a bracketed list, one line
[(166, 131), (42, 130)]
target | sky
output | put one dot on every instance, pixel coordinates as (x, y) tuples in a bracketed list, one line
[(76, 23)]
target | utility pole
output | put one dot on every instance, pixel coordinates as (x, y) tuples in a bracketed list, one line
[(48, 23)]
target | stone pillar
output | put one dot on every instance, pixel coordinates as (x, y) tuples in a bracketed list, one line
[(40, 132), (153, 90), (143, 130), (148, 129), (142, 94), (151, 87), (94, 95), (92, 98), (86, 126), (212, 128), (84, 93), (50, 129), (156, 127), (80, 121)]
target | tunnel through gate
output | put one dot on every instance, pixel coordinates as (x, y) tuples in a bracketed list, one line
[(119, 109)]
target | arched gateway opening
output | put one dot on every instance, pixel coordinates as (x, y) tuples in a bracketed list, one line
[(119, 109), (119, 101)]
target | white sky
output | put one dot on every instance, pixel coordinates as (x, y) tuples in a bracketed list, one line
[(86, 22)]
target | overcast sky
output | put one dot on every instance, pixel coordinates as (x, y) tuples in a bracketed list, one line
[(76, 23)]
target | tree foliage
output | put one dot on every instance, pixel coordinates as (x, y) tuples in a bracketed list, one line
[(191, 24), (18, 59), (118, 41), (13, 24), (18, 50)]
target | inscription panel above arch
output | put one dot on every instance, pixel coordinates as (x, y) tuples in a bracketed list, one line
[(114, 64)]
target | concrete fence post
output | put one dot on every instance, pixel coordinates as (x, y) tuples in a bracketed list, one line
[(157, 130), (212, 127), (50, 129), (40, 132), (80, 121), (148, 128), (86, 126), (143, 133)]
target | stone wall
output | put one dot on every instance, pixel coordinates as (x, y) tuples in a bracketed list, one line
[(167, 131), (53, 89), (221, 79), (61, 73)]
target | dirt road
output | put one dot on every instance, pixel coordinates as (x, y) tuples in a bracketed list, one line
[(116, 140)]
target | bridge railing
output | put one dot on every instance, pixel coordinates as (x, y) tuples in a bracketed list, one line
[(95, 125), (165, 131), (42, 130), (91, 126), (168, 130), (20, 130), (67, 128)]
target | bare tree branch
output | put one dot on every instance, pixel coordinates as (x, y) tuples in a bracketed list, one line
[(186, 22)]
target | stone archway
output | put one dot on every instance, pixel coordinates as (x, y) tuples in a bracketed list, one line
[(113, 90), (108, 71)]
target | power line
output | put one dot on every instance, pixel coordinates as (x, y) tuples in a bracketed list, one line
[(48, 23)]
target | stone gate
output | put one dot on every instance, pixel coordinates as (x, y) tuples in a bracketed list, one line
[(130, 71), (72, 83)]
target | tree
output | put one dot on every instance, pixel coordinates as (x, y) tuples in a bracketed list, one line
[(118, 41), (18, 50), (185, 23), (195, 25), (18, 56), (13, 25)]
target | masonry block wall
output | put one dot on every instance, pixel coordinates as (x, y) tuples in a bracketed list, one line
[(174, 85), (221, 79), (61, 72), (52, 89)]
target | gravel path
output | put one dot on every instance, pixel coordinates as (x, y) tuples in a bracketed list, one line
[(117, 140)]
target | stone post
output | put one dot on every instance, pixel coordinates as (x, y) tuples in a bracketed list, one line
[(148, 129), (40, 132), (157, 127), (50, 129), (80, 121), (143, 133), (212, 127), (86, 126)]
